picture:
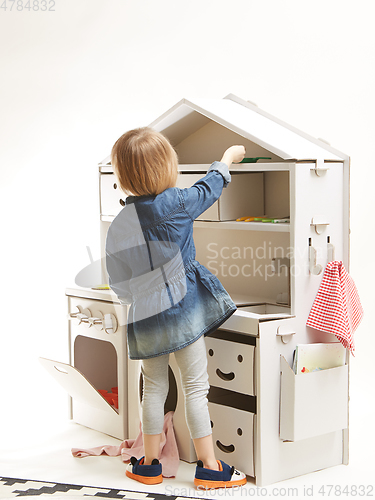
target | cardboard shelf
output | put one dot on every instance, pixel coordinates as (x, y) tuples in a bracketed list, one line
[(236, 167), (281, 227)]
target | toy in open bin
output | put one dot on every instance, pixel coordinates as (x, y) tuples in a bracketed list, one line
[(110, 397)]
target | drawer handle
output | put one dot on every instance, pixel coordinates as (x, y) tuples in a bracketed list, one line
[(224, 448), (225, 376)]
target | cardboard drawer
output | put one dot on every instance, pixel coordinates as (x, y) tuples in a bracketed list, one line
[(233, 436), (231, 365), (313, 403), (243, 196), (112, 198), (186, 181)]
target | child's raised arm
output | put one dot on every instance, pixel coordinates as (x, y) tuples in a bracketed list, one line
[(234, 154)]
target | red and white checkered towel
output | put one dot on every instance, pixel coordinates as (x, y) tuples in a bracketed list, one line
[(337, 308)]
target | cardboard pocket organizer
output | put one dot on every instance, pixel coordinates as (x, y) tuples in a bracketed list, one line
[(312, 404)]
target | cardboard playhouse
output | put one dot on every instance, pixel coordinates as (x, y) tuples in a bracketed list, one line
[(294, 193)]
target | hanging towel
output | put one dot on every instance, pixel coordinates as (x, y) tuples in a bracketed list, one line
[(169, 457), (337, 308)]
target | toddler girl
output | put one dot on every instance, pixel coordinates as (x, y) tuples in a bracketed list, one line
[(174, 300)]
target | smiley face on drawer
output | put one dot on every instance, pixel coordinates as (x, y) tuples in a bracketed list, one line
[(230, 365), (224, 376), (232, 432), (225, 448)]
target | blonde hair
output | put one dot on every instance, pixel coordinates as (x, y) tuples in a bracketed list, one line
[(145, 162)]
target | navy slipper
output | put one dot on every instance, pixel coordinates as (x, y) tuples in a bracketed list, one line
[(225, 477), (147, 474)]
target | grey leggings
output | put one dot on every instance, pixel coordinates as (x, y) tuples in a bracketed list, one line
[(192, 363)]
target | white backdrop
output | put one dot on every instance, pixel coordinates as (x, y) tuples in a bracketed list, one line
[(74, 79)]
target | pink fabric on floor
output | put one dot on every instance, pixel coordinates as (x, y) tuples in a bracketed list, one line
[(169, 456)]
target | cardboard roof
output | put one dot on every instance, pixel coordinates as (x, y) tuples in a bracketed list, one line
[(246, 120)]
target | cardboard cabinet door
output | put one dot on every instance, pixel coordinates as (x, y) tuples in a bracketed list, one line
[(76, 385), (89, 407)]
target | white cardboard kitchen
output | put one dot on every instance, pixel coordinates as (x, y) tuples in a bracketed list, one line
[(266, 420)]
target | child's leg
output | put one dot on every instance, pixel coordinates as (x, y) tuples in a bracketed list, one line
[(192, 362), (204, 448), (155, 391)]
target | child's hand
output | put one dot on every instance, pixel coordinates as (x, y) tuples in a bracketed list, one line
[(234, 154)]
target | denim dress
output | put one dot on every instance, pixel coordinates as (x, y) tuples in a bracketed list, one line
[(150, 258)]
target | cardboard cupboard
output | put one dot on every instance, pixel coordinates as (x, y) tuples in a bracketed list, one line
[(266, 421)]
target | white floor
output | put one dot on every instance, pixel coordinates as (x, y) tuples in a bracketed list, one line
[(36, 444)]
